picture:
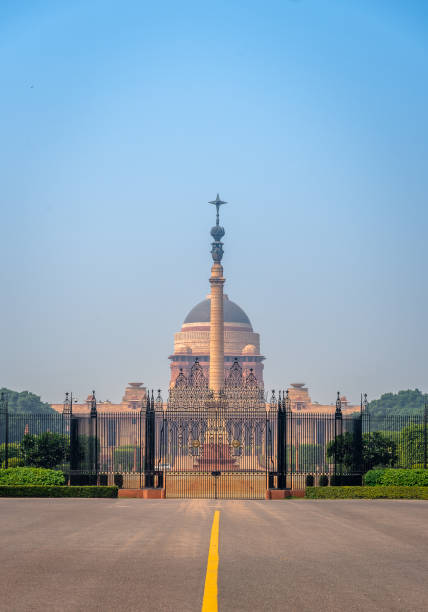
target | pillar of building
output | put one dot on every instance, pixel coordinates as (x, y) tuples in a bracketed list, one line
[(216, 377)]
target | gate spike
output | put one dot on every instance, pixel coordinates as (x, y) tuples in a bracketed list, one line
[(93, 404), (338, 404), (287, 402)]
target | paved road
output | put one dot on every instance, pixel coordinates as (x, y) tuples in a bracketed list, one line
[(129, 554)]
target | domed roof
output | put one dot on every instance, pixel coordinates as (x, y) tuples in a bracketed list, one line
[(183, 348), (249, 349), (232, 313)]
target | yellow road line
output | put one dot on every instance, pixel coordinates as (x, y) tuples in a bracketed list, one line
[(210, 603)]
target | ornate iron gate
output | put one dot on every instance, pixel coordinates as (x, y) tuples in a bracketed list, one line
[(215, 453)]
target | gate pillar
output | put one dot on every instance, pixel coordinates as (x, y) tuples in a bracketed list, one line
[(94, 444), (281, 446), (338, 441), (4, 414), (149, 449)]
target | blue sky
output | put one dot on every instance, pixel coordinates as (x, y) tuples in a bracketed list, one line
[(119, 121)]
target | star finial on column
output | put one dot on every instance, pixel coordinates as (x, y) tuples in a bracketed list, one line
[(217, 203)]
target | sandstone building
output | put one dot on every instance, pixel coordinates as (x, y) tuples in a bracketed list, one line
[(216, 332)]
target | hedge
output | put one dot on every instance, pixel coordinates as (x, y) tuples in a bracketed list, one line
[(373, 477), (47, 491), (378, 492), (16, 476), (397, 477)]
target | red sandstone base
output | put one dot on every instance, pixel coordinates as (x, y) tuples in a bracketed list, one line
[(142, 493), (284, 493)]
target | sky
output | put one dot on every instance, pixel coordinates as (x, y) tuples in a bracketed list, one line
[(119, 121)]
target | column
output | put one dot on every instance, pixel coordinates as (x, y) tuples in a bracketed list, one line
[(216, 378)]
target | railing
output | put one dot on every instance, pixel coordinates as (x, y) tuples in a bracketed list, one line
[(239, 453)]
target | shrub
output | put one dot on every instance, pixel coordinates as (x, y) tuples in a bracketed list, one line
[(373, 477), (52, 491), (323, 482), (406, 478), (397, 477), (31, 476), (309, 480), (378, 492), (13, 462), (118, 480), (13, 450)]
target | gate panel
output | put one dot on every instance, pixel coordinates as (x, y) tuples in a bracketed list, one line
[(121, 449), (216, 454)]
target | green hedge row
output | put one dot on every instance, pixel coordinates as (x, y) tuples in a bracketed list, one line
[(378, 492), (49, 491), (397, 477), (31, 476)]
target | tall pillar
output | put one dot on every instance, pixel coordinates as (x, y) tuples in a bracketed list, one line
[(217, 329), (216, 378)]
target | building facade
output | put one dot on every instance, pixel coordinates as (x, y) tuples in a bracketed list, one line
[(133, 399), (300, 401)]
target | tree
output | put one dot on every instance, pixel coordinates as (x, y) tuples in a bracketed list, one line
[(47, 450), (403, 403), (412, 446), (310, 457), (26, 402), (377, 450), (341, 450)]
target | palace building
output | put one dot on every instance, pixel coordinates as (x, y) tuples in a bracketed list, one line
[(215, 335)]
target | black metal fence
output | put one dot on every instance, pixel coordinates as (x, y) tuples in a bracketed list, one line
[(214, 452)]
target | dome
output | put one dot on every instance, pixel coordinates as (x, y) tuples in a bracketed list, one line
[(183, 348), (232, 313), (249, 349)]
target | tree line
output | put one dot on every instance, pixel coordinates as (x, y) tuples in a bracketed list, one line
[(403, 403), (25, 402)]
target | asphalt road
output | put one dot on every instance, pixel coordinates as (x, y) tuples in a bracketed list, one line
[(131, 554)]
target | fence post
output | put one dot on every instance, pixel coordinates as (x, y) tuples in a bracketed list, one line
[(159, 410), (164, 444), (288, 426), (149, 450), (425, 435), (142, 410), (280, 443), (357, 442), (338, 431), (94, 440), (270, 465), (4, 412), (66, 418)]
